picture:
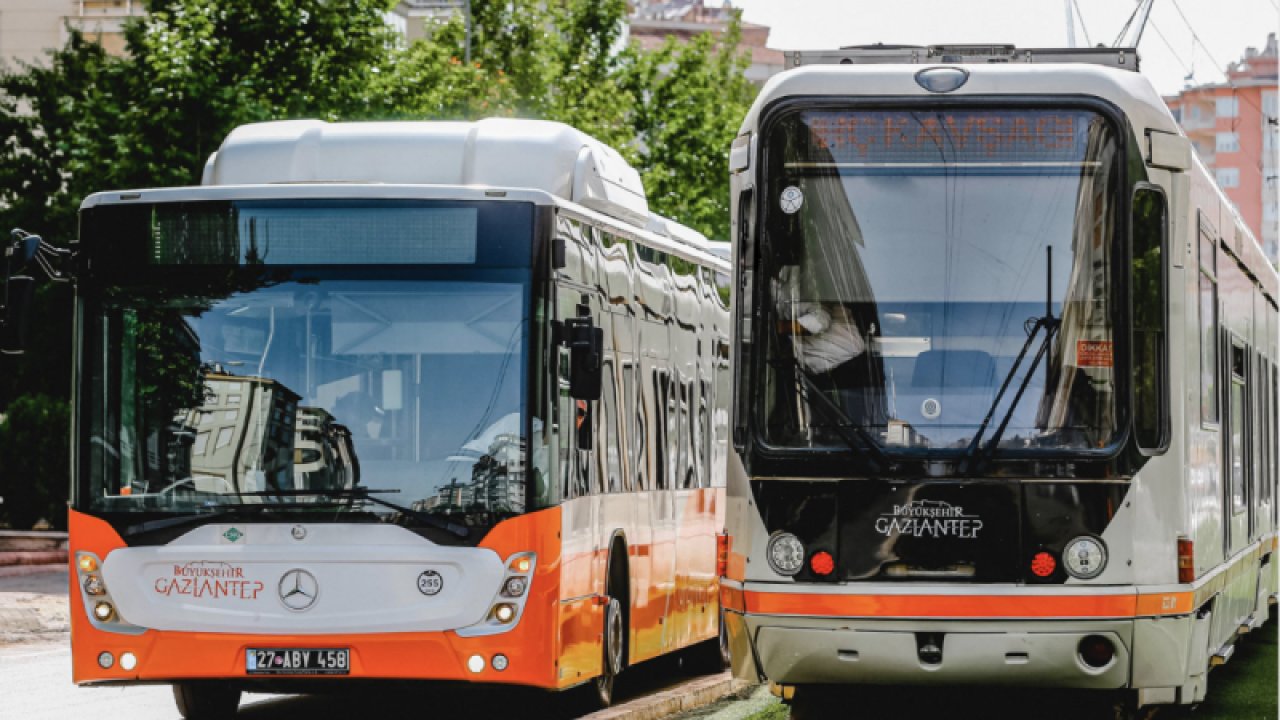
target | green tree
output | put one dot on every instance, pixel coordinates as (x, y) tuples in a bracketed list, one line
[(689, 103), (35, 458)]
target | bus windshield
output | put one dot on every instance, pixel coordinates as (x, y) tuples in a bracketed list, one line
[(919, 261), (333, 382)]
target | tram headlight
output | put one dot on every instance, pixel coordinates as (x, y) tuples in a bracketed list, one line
[(504, 613), (1085, 557), (785, 553)]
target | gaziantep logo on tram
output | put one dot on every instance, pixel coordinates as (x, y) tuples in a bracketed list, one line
[(929, 518)]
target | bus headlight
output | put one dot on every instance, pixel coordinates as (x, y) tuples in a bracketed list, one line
[(515, 586), (93, 585), (1085, 557), (103, 611), (504, 613), (785, 553)]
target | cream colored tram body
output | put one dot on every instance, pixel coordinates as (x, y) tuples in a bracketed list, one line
[(1005, 381)]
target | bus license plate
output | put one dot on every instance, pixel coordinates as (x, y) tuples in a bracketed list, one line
[(298, 661)]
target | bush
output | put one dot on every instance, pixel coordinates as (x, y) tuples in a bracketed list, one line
[(35, 466)]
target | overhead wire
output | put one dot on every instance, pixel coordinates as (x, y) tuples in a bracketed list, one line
[(1235, 89), (1080, 15), (1176, 55)]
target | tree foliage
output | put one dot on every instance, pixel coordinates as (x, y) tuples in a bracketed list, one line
[(85, 121), (33, 453)]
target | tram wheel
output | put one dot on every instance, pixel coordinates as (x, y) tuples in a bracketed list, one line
[(1125, 707), (206, 700), (812, 703)]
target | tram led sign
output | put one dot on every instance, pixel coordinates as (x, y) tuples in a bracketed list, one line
[(1027, 137)]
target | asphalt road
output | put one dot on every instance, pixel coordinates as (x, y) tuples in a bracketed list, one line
[(35, 682)]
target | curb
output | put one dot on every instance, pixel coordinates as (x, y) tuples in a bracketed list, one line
[(18, 570), (684, 697), (33, 557)]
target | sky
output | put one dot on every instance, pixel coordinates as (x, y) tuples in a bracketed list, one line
[(1168, 51)]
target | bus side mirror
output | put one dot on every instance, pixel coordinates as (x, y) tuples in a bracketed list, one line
[(586, 346), (15, 313)]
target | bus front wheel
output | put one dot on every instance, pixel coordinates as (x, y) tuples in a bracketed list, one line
[(614, 651), (206, 700)]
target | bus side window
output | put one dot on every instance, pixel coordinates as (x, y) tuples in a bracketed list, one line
[(660, 430)]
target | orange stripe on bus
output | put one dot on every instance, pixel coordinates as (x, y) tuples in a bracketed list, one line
[(943, 606)]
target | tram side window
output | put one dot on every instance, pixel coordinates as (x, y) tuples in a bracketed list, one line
[(1273, 436), (1208, 327), (1149, 319), (1239, 428)]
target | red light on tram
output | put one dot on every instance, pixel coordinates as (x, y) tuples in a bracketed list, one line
[(822, 563), (1043, 564), (1186, 560)]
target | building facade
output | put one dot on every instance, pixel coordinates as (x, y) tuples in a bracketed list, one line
[(1235, 127), (652, 22), (29, 29)]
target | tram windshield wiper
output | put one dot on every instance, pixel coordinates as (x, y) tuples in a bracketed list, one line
[(363, 493), (860, 441), (975, 456)]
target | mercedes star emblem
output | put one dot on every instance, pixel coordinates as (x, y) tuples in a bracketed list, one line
[(298, 589)]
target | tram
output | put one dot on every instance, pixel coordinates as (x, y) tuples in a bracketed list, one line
[(394, 401), (1005, 371)]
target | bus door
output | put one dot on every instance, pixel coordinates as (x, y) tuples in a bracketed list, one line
[(579, 474)]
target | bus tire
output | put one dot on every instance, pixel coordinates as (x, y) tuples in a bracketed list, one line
[(614, 638), (614, 648), (206, 700)]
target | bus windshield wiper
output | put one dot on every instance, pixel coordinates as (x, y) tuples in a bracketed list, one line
[(206, 513), (363, 493), (974, 457), (864, 442)]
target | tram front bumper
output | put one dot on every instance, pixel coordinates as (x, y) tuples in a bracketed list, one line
[(1042, 653)]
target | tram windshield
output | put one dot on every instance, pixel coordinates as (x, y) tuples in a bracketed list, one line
[(918, 262), (350, 361)]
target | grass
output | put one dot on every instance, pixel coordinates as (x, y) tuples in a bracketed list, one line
[(1243, 689)]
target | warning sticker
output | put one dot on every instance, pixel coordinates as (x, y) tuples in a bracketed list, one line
[(1094, 353)]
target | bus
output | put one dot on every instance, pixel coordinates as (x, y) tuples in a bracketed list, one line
[(1005, 383), (395, 401)]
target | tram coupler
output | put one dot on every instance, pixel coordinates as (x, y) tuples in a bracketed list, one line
[(929, 648)]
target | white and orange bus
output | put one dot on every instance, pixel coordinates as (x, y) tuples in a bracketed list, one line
[(394, 400)]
